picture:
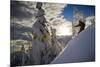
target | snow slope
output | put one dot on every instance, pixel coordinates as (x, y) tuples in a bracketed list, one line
[(79, 49)]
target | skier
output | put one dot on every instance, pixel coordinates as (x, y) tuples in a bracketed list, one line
[(81, 25)]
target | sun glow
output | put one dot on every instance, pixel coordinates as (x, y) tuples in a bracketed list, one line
[(63, 30)]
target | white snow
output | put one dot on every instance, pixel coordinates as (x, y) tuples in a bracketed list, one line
[(79, 49)]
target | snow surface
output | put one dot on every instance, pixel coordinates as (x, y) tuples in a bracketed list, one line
[(79, 49)]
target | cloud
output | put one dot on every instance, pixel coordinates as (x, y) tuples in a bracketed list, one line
[(78, 14), (90, 20), (23, 12)]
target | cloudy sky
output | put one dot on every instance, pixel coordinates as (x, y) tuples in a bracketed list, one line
[(59, 15), (23, 13)]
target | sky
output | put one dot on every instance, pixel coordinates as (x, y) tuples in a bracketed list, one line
[(23, 13), (86, 9), (59, 15)]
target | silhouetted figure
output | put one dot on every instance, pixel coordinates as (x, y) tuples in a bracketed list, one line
[(81, 25)]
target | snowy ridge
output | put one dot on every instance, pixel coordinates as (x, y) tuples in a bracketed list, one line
[(79, 49)]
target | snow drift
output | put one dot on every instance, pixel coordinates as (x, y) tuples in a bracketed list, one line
[(79, 49)]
